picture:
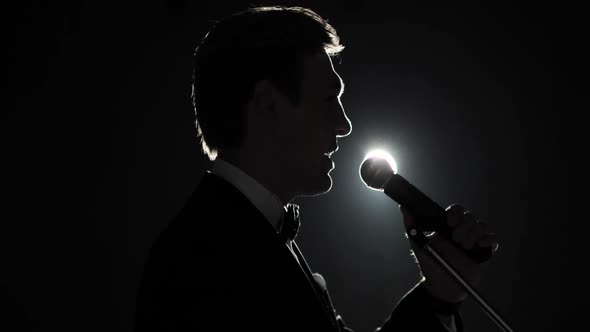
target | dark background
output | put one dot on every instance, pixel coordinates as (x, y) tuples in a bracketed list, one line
[(101, 153)]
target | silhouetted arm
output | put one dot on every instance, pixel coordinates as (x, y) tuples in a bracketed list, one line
[(419, 311)]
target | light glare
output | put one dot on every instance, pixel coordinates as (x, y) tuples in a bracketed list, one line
[(383, 155)]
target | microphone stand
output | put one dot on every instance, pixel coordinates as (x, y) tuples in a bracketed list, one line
[(423, 242)]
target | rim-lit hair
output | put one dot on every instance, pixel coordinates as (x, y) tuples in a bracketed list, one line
[(245, 48)]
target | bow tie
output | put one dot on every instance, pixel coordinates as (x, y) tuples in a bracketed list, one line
[(290, 223)]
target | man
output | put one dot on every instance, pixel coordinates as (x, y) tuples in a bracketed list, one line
[(267, 102)]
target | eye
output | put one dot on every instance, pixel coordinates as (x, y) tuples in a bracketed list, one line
[(331, 99)]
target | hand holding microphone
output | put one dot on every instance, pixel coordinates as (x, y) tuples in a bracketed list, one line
[(459, 236), (428, 215)]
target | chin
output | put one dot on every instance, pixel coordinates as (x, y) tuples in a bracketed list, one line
[(319, 186)]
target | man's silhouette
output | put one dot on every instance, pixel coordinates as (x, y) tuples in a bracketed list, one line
[(267, 102)]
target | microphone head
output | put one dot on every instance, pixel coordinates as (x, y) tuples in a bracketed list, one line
[(375, 172)]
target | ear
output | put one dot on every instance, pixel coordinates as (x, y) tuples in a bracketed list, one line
[(264, 98)]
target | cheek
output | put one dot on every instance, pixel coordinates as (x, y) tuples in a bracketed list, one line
[(318, 118), (305, 134), (303, 152)]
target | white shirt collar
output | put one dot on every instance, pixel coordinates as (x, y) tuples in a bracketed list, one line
[(264, 200)]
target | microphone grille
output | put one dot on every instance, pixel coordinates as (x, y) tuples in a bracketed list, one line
[(375, 172)]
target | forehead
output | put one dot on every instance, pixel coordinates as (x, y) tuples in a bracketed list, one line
[(319, 73)]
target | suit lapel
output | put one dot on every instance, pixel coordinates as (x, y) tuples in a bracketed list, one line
[(321, 293), (253, 224)]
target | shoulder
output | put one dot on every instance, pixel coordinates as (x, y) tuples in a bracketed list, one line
[(215, 225)]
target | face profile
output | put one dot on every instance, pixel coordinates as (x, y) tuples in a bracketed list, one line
[(308, 131)]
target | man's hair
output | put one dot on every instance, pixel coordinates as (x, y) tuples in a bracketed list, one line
[(257, 44)]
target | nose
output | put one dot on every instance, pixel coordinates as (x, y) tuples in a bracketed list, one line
[(343, 124)]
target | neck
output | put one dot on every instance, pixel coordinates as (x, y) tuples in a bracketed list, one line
[(263, 170)]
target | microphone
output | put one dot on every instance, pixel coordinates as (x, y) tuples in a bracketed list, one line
[(378, 174)]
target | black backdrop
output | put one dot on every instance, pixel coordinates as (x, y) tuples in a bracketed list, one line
[(101, 152)]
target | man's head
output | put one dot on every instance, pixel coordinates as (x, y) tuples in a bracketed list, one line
[(264, 86)]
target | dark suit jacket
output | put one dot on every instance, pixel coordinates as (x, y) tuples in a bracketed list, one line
[(220, 266)]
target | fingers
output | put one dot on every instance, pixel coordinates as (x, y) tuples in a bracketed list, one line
[(467, 230), (454, 215), (476, 231), (489, 240), (464, 229)]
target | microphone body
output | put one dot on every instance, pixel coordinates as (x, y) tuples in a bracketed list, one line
[(429, 216)]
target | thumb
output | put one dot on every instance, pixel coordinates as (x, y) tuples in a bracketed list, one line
[(408, 219), (409, 223)]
